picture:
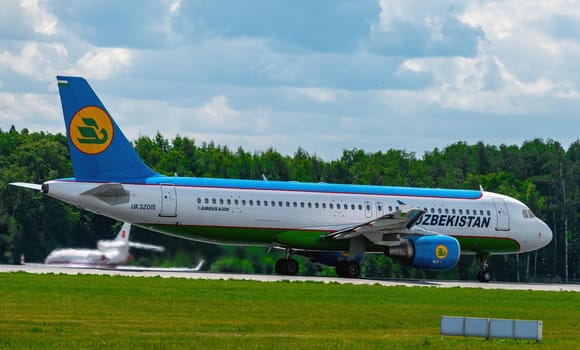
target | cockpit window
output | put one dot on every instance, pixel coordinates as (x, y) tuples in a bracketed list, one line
[(528, 214)]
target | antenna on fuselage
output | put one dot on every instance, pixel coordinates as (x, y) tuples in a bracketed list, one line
[(481, 188)]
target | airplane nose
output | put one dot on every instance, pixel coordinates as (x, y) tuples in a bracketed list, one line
[(545, 234)]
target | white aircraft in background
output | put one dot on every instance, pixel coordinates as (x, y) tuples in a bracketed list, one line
[(108, 253), (329, 223)]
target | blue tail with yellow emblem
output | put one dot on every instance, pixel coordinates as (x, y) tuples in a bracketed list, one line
[(98, 148)]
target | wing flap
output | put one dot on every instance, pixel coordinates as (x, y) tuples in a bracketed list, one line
[(394, 222)]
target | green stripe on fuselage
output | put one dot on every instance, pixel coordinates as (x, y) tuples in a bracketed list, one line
[(492, 245), (299, 239), (310, 239)]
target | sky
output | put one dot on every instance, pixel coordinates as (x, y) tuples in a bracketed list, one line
[(324, 75)]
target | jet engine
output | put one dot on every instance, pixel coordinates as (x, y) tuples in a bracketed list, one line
[(436, 252)]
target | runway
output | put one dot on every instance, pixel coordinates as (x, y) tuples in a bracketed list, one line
[(46, 269)]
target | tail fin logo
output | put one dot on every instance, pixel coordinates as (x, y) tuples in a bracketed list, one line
[(91, 130)]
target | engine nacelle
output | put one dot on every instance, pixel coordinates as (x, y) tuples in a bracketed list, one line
[(331, 258), (438, 252)]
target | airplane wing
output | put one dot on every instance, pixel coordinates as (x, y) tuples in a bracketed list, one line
[(37, 187), (138, 245), (394, 222)]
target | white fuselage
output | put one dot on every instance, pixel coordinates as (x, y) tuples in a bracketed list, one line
[(475, 221)]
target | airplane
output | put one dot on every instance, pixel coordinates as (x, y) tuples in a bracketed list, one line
[(331, 224), (109, 253)]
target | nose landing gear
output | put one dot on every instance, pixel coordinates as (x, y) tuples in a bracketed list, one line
[(484, 275)]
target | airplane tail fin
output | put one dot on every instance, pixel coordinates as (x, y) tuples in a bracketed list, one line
[(123, 234), (98, 148)]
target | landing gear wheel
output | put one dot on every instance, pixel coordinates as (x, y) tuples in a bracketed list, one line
[(484, 276), (288, 267), (292, 267), (348, 269), (352, 269), (280, 266)]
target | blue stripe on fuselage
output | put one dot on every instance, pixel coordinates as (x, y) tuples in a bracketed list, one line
[(305, 187)]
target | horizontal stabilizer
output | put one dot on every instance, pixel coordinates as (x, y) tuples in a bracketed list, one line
[(110, 193), (27, 185)]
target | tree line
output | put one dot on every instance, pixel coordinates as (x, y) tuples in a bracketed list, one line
[(541, 173)]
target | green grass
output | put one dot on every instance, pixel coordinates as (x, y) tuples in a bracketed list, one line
[(114, 312)]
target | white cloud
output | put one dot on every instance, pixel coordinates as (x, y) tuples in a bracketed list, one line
[(37, 60), (43, 21), (381, 73), (318, 94), (102, 63), (175, 6), (35, 112)]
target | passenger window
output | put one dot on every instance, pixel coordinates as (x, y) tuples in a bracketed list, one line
[(453, 211), (251, 202), (301, 204), (360, 207), (481, 212), (391, 208), (206, 201), (198, 200), (265, 203), (309, 205), (213, 201), (243, 202), (273, 203), (488, 213), (467, 211), (368, 207), (280, 204), (338, 206), (258, 203), (221, 201), (446, 211), (323, 205), (460, 211), (236, 202), (439, 210), (432, 211), (352, 206), (229, 201), (288, 204), (316, 205), (295, 205), (380, 207)]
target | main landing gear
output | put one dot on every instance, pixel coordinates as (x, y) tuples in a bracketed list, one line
[(484, 275), (287, 266), (348, 269)]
